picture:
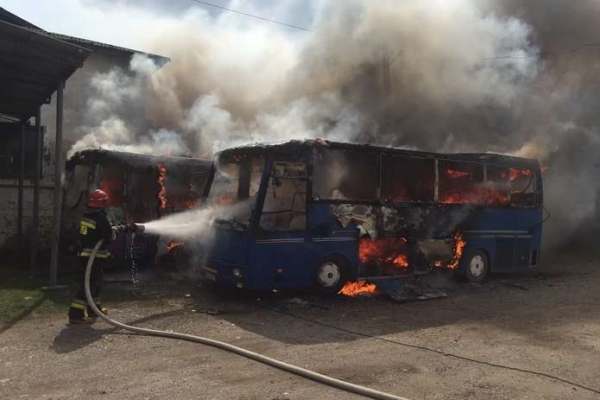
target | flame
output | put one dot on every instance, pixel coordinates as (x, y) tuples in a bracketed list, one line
[(401, 261), (454, 174), (516, 173), (162, 193), (173, 245), (438, 263), (459, 248), (114, 189), (390, 250), (472, 196), (498, 197), (358, 289), (191, 203)]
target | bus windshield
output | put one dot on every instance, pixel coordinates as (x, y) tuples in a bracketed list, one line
[(235, 185)]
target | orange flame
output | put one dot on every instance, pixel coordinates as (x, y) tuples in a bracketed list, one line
[(162, 193), (191, 203), (516, 173), (459, 248), (498, 197), (173, 245), (401, 261), (390, 250), (359, 288), (454, 174)]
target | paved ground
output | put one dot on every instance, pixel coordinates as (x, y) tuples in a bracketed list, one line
[(524, 337)]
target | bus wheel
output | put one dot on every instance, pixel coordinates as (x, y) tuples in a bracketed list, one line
[(477, 267), (331, 275)]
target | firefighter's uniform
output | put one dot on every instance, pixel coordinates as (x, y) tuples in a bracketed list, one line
[(93, 226)]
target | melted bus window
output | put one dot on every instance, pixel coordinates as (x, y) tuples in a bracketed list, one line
[(522, 187), (460, 183), (407, 179), (285, 201), (497, 186), (341, 174)]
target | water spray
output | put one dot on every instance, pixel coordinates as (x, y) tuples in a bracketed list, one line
[(293, 369)]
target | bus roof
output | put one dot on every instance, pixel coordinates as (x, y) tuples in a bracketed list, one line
[(132, 160), (295, 147)]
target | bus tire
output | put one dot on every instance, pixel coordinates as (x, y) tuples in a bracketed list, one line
[(331, 275), (477, 266)]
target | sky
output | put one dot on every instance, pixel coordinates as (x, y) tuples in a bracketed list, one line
[(136, 23)]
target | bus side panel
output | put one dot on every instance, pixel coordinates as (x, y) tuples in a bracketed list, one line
[(510, 236), (280, 260), (283, 261), (228, 251)]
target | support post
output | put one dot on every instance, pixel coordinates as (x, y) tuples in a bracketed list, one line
[(20, 188), (57, 183), (37, 165)]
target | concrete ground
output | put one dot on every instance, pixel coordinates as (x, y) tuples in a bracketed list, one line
[(516, 337)]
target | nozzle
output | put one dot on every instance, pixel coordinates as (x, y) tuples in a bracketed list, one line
[(133, 228), (137, 228)]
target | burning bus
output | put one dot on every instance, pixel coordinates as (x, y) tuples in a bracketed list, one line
[(141, 187), (329, 214)]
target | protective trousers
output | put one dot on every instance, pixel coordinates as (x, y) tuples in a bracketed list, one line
[(79, 304)]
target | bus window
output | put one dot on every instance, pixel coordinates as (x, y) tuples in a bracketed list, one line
[(407, 179), (285, 201), (497, 186), (460, 183), (341, 174), (77, 186), (235, 182), (522, 187), (112, 181)]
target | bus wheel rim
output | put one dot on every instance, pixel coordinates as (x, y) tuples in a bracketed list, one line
[(329, 274), (477, 266)]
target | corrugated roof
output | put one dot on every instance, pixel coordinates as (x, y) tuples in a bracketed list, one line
[(31, 65), (11, 18), (93, 45)]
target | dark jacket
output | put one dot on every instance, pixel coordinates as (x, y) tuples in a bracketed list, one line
[(94, 226)]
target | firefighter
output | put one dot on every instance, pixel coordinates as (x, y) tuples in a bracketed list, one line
[(93, 226)]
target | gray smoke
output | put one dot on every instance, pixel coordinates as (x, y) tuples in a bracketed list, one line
[(434, 75)]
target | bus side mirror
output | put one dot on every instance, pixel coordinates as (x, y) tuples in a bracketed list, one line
[(321, 230)]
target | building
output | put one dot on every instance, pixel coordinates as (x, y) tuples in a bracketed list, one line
[(17, 219)]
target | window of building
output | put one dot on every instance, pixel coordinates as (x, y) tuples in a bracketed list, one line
[(10, 154)]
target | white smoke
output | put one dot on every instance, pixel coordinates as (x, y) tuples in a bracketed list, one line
[(463, 75), (232, 82)]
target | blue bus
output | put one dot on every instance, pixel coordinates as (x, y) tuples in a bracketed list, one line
[(323, 214)]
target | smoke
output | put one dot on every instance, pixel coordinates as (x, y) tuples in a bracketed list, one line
[(195, 224), (438, 75)]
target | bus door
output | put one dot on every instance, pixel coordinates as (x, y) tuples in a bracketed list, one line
[(280, 258)]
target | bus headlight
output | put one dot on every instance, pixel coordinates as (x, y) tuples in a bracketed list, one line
[(237, 272)]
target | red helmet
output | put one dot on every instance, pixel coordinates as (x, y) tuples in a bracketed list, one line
[(98, 199)]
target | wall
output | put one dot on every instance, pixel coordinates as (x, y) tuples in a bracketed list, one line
[(76, 94)]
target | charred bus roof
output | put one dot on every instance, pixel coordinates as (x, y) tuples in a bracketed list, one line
[(297, 148), (132, 160)]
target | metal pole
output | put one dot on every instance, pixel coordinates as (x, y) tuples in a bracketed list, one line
[(37, 165), (57, 183), (20, 190)]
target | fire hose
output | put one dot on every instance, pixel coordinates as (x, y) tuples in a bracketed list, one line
[(293, 369)]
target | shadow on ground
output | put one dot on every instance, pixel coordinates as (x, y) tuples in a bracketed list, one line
[(75, 337)]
